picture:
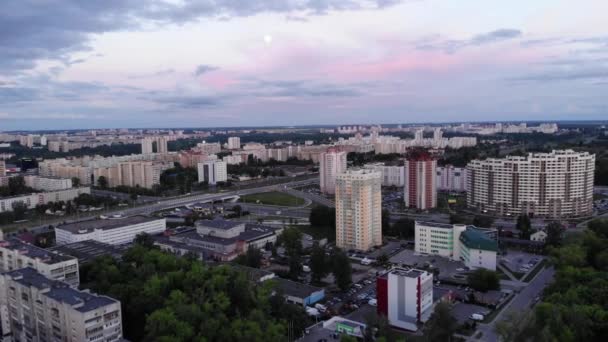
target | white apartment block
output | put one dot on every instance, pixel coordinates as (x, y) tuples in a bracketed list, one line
[(358, 209), (113, 230), (476, 247), (405, 297), (48, 183), (144, 174), (331, 164), (2, 168), (234, 143), (31, 200), (391, 175), (450, 178), (212, 172), (16, 254), (556, 184), (35, 308)]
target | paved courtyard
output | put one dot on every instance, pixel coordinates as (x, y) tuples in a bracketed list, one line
[(514, 260), (462, 311)]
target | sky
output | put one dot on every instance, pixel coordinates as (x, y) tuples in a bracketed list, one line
[(67, 64)]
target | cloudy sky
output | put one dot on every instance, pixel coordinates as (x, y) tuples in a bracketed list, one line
[(203, 63)]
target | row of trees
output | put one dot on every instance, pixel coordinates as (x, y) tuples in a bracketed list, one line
[(16, 186), (336, 262), (166, 298), (575, 305)]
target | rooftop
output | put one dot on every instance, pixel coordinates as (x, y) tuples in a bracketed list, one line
[(436, 224), (60, 291), (105, 224), (413, 273), (45, 256), (295, 289), (88, 250), (219, 224), (477, 239)]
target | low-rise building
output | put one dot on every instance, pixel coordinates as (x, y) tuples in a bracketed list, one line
[(539, 236), (16, 254), (298, 293), (476, 247), (115, 230), (86, 251), (221, 240), (405, 297), (36, 308), (31, 200)]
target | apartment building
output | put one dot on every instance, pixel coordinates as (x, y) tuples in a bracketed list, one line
[(233, 160), (556, 184), (36, 308), (420, 189), (391, 175), (450, 178), (144, 174), (16, 254), (212, 171), (31, 200), (48, 183), (115, 230), (476, 247), (148, 144), (234, 143), (331, 164), (405, 297), (2, 168), (358, 209)]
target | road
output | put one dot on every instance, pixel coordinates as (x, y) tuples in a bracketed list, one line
[(312, 196), (523, 301), (123, 196), (185, 200)]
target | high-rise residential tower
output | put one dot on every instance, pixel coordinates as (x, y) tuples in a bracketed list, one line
[(420, 181), (556, 184), (234, 143), (359, 209), (331, 163)]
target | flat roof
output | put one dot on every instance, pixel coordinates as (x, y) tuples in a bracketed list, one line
[(46, 256), (296, 289), (219, 224), (88, 250), (436, 224), (59, 290), (252, 232), (105, 224), (413, 273), (477, 239), (252, 273)]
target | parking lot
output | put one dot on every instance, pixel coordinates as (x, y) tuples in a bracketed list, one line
[(463, 311), (447, 268), (520, 262)]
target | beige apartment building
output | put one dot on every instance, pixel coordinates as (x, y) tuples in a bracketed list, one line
[(144, 174), (35, 308), (556, 184), (15, 254), (331, 164), (359, 209)]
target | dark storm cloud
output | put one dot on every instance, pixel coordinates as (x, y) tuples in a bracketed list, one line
[(32, 30), (452, 45), (203, 69)]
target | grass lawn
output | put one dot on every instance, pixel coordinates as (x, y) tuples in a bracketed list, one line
[(273, 198), (318, 232)]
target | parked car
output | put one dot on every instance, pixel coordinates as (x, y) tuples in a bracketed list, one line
[(476, 317)]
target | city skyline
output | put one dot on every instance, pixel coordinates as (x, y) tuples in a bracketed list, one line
[(266, 63)]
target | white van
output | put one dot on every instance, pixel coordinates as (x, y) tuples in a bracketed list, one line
[(476, 317), (365, 261)]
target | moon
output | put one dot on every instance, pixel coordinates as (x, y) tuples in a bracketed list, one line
[(267, 39)]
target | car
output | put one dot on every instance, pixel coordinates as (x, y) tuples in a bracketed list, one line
[(460, 269), (476, 317), (373, 302)]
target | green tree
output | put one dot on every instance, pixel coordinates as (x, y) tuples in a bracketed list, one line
[(404, 228), (19, 210), (251, 258), (75, 182), (102, 182), (386, 220), (441, 325), (524, 226), (483, 221), (144, 240), (382, 259), (484, 280), (555, 234), (342, 269), (319, 263)]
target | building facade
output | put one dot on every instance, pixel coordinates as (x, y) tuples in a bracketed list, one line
[(450, 178), (358, 209), (113, 231), (15, 254), (391, 175), (331, 164), (475, 247), (35, 308), (420, 189), (48, 183), (405, 297), (212, 171), (234, 143), (557, 184)]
